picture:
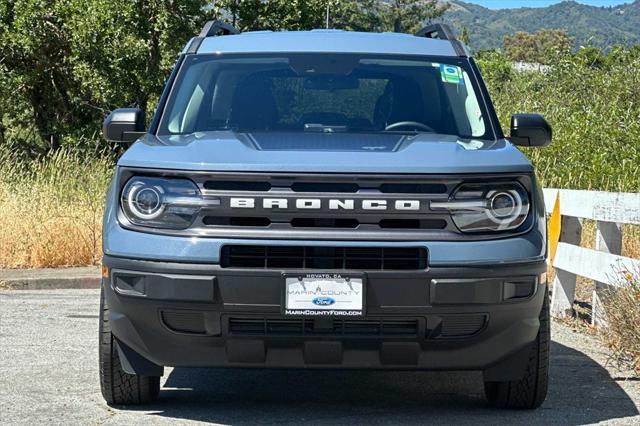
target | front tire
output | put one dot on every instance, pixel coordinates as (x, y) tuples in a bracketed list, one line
[(118, 387), (530, 391)]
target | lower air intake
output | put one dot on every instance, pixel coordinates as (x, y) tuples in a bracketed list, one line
[(338, 327), (462, 325), (300, 257)]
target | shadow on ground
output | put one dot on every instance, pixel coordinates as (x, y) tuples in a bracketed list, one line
[(581, 391)]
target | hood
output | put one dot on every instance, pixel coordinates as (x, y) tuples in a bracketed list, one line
[(424, 153)]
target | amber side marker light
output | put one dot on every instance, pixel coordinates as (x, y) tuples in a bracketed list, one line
[(105, 271)]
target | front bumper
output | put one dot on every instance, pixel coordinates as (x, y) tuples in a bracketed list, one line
[(448, 318)]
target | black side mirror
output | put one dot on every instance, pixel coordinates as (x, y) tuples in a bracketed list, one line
[(530, 130), (124, 125)]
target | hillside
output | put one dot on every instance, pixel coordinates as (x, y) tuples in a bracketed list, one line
[(587, 25)]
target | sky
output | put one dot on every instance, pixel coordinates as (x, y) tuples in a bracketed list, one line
[(507, 4)]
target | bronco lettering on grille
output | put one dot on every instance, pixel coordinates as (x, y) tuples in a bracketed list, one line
[(328, 204)]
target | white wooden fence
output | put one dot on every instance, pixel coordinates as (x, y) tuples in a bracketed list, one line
[(603, 265)]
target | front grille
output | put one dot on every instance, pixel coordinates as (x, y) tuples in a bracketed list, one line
[(337, 327), (301, 257), (310, 222), (324, 187), (328, 187), (327, 223), (325, 206), (249, 221), (341, 207), (213, 185)]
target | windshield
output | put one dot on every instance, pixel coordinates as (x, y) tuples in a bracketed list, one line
[(326, 93)]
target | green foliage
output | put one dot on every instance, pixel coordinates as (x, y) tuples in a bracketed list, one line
[(495, 67), (359, 15), (541, 47), (594, 113), (464, 36), (409, 15), (65, 63), (298, 14)]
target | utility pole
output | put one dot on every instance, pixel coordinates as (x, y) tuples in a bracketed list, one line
[(327, 22)]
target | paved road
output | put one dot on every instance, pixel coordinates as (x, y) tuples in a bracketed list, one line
[(48, 374)]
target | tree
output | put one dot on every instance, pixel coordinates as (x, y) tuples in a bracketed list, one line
[(34, 49), (496, 69), (359, 15), (71, 61), (65, 63), (543, 47), (464, 36), (410, 15)]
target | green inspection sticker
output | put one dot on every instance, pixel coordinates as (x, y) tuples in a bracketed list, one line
[(451, 74)]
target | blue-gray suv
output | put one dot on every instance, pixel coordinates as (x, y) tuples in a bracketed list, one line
[(325, 199)]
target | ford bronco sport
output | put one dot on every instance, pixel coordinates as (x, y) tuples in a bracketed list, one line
[(325, 199)]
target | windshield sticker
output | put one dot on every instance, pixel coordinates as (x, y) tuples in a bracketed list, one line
[(451, 74)]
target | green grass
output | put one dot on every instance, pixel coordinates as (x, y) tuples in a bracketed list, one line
[(595, 115)]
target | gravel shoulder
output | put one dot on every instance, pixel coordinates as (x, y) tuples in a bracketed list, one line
[(48, 373)]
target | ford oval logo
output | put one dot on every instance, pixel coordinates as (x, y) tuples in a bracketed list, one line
[(323, 301)]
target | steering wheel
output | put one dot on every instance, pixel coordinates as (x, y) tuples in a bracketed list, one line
[(414, 124)]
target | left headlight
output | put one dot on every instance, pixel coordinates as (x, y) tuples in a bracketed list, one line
[(487, 207), (160, 203)]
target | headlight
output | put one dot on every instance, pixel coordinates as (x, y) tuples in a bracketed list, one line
[(161, 203), (487, 207)]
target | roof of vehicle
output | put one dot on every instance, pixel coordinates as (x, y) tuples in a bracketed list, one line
[(325, 41)]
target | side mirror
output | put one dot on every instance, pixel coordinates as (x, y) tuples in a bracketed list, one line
[(124, 125), (530, 130)]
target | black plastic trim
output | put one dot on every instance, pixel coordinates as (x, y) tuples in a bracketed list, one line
[(211, 29), (443, 32), (195, 45), (439, 31), (459, 48), (215, 28), (509, 328)]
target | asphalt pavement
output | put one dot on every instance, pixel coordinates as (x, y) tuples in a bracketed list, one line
[(49, 375)]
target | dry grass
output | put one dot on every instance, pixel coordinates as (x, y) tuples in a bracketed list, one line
[(630, 248), (622, 306), (630, 238), (51, 210)]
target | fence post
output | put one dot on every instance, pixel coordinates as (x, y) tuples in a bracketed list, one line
[(564, 284), (608, 240)]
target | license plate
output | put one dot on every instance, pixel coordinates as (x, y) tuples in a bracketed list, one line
[(324, 295)]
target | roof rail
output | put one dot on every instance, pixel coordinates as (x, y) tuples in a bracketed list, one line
[(212, 29), (440, 31), (443, 32)]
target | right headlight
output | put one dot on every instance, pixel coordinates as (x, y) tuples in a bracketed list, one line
[(160, 203), (487, 207)]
